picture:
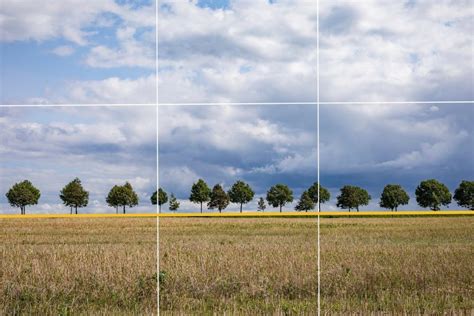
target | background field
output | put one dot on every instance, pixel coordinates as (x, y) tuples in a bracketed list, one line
[(78, 265), (414, 265), (238, 265)]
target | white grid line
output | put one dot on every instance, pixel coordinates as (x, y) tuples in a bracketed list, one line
[(157, 165), (317, 161), (461, 102)]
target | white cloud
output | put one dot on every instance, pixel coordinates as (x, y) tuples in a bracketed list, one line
[(63, 51)]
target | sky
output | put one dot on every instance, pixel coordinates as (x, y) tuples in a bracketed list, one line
[(234, 51)]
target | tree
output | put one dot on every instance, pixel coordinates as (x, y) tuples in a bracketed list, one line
[(305, 203), (122, 196), (352, 197), (200, 192), (393, 196), (174, 204), (464, 194), (23, 194), (241, 193), (162, 198), (324, 194), (114, 197), (219, 199), (261, 205), (131, 196), (279, 195), (432, 193), (74, 195)]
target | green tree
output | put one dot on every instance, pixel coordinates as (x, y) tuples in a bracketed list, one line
[(261, 205), (305, 203), (174, 204), (122, 196), (279, 195), (241, 193), (324, 194), (219, 199), (393, 196), (153, 198), (200, 192), (74, 195), (23, 194), (464, 194), (352, 197), (432, 193)]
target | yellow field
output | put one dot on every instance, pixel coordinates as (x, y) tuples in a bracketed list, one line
[(252, 214)]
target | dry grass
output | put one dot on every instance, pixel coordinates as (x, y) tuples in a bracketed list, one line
[(77, 266), (400, 265), (238, 265), (246, 266)]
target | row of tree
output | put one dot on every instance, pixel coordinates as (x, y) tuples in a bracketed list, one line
[(429, 193)]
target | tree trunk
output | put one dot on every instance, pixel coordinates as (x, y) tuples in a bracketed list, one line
[(201, 207), (240, 207), (76, 210), (357, 209), (71, 210), (116, 210), (280, 207), (124, 209), (159, 208), (220, 211)]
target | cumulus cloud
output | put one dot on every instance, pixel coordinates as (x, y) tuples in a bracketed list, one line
[(396, 50), (103, 146), (251, 52)]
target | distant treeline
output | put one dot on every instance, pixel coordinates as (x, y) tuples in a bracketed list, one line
[(429, 194)]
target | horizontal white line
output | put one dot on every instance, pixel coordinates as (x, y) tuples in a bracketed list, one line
[(236, 103)]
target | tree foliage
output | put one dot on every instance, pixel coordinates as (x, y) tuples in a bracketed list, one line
[(261, 205), (241, 193), (74, 195), (432, 193), (306, 203), (324, 194), (279, 195), (162, 198), (352, 197), (218, 198), (174, 204), (393, 196), (122, 196), (200, 192), (23, 194), (464, 194)]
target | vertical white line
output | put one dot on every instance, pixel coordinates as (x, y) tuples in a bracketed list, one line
[(157, 165), (317, 151)]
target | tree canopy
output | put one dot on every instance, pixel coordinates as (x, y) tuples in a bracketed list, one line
[(393, 196), (74, 195), (122, 196), (352, 197), (324, 194), (200, 192), (241, 193), (464, 194), (261, 204), (162, 198), (174, 204), (218, 198), (23, 194), (305, 203), (432, 193), (279, 195)]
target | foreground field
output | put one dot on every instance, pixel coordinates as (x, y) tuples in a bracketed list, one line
[(78, 266), (238, 265), (401, 265)]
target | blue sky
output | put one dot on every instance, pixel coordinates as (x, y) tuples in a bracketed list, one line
[(235, 51)]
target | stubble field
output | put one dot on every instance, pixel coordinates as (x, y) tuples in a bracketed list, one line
[(73, 266), (415, 265)]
